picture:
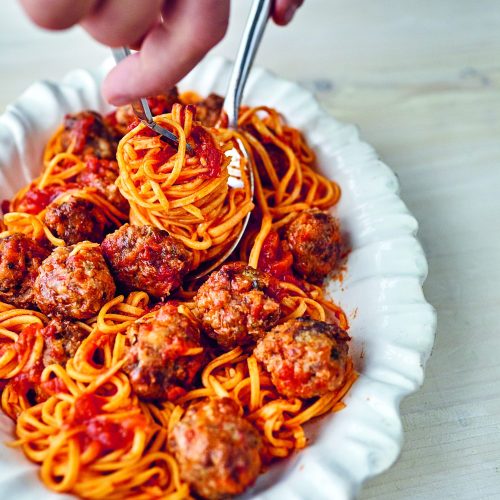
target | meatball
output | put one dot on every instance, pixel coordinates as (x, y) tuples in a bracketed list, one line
[(101, 175), (315, 242), (306, 358), (75, 220), (124, 118), (235, 305), (159, 364), (85, 133), (216, 449), (62, 339), (20, 258), (208, 111), (74, 282), (146, 258)]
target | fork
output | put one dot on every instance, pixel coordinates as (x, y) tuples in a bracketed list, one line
[(250, 41)]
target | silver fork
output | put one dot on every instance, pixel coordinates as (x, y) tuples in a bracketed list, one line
[(250, 41), (252, 35)]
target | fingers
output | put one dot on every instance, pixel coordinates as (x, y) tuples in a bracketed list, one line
[(60, 14), (284, 10), (122, 22), (170, 50)]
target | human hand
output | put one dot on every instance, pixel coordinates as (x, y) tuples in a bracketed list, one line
[(173, 35)]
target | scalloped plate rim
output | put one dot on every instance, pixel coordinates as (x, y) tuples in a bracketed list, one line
[(371, 448)]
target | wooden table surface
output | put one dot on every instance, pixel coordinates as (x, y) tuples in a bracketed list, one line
[(421, 79)]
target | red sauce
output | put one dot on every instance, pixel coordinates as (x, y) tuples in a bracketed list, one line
[(110, 119), (277, 260), (165, 154), (35, 199), (5, 207), (81, 131), (109, 434), (205, 148), (54, 386), (174, 392), (160, 105), (26, 381), (30, 379), (99, 165)]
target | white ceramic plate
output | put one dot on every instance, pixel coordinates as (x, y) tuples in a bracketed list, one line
[(392, 325)]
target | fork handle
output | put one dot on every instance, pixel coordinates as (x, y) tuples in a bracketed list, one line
[(252, 35)]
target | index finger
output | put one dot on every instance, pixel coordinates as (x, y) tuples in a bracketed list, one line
[(170, 50)]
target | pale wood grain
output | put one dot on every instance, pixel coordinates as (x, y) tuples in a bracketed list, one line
[(421, 79)]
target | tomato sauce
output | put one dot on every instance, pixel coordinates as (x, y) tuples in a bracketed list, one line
[(5, 207), (277, 260), (81, 131), (205, 148), (36, 199), (109, 434)]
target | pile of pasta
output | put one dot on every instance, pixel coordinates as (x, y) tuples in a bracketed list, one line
[(186, 195), (137, 464)]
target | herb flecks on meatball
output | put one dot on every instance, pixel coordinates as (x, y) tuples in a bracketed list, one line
[(62, 339), (85, 133), (216, 449), (74, 282), (159, 363), (75, 220), (306, 358), (20, 259), (235, 306), (315, 242), (146, 258)]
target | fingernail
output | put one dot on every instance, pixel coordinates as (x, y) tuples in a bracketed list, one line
[(289, 13)]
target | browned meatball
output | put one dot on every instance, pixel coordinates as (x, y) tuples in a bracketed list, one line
[(62, 339), (86, 134), (235, 305), (74, 282), (101, 175), (159, 364), (20, 258), (306, 358), (216, 449), (315, 242), (208, 111), (146, 258), (75, 220)]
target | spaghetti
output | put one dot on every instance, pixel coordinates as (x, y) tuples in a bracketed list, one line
[(81, 420), (186, 195)]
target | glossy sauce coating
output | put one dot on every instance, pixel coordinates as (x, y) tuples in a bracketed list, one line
[(235, 305), (216, 449), (75, 220), (20, 259), (315, 242), (146, 258), (305, 357), (74, 285), (158, 363)]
